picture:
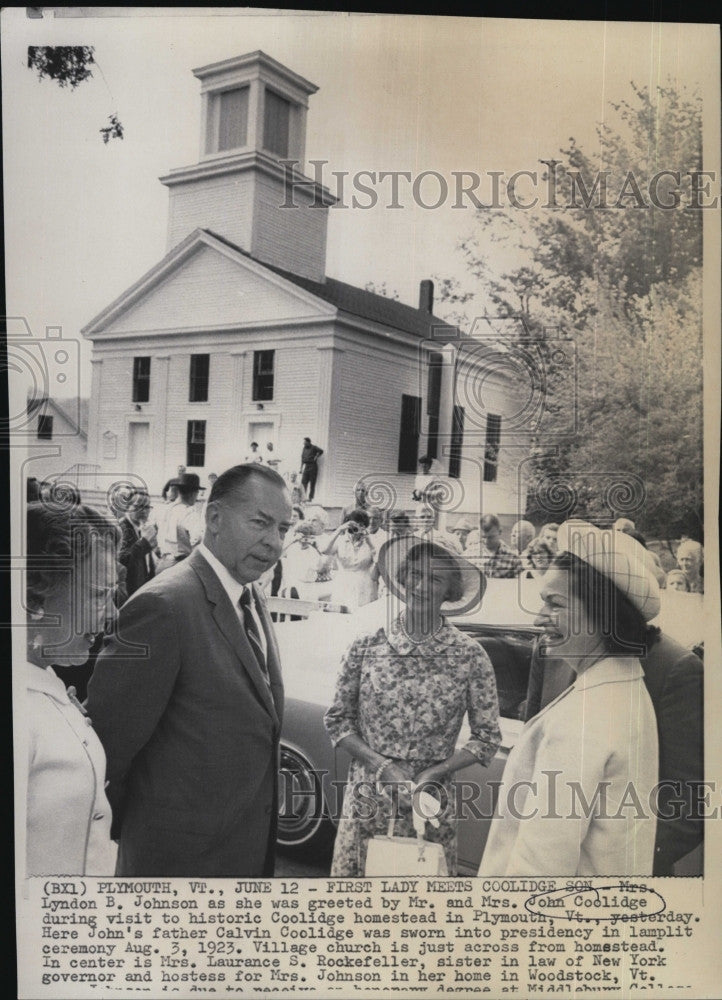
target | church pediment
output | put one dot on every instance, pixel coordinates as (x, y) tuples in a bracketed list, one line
[(204, 284)]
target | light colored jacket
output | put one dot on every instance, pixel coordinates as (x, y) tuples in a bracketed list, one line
[(600, 733), (68, 817)]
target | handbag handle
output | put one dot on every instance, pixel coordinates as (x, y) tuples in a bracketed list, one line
[(418, 827)]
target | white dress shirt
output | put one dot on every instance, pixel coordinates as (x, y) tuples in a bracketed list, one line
[(234, 589), (180, 515)]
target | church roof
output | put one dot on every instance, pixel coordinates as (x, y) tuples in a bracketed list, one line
[(362, 303)]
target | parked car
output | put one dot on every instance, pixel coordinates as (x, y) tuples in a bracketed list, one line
[(313, 773)]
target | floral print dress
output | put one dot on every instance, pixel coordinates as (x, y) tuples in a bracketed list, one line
[(407, 700)]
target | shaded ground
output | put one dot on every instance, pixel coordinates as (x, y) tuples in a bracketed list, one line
[(296, 864)]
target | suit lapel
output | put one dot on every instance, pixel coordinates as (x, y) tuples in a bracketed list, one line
[(230, 626)]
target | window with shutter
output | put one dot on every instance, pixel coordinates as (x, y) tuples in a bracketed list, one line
[(141, 380), (276, 120), (263, 375), (45, 428), (196, 443), (200, 366), (227, 123)]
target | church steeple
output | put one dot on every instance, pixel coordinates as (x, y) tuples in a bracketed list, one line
[(253, 102), (253, 117)]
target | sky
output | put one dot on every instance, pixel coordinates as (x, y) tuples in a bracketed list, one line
[(84, 220)]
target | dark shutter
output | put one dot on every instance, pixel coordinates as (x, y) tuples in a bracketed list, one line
[(409, 433), (276, 117), (457, 442), (491, 450), (433, 403)]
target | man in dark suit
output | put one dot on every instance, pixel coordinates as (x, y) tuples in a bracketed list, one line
[(187, 698), (138, 540)]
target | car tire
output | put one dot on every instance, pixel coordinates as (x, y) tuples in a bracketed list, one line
[(303, 820)]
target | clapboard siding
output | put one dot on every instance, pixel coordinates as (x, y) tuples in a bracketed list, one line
[(367, 417), (247, 210), (223, 204), (290, 238), (210, 290)]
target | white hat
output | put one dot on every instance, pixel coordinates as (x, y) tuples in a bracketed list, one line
[(617, 556), (393, 553)]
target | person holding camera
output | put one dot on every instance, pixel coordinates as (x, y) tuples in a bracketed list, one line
[(355, 581), (139, 539)]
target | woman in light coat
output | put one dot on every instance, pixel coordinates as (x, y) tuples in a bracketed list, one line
[(70, 580), (578, 789)]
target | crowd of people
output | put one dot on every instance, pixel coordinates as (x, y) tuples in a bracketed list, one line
[(169, 766)]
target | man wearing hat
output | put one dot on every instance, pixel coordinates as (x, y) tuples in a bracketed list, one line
[(461, 530), (182, 529), (172, 481), (673, 677)]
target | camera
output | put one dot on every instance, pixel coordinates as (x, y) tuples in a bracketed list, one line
[(506, 376), (41, 368)]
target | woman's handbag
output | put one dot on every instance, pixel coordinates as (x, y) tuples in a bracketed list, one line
[(389, 855)]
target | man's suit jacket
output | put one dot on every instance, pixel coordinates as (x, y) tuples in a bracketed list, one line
[(191, 730), (135, 554), (674, 679)]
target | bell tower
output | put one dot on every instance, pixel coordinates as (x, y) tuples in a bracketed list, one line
[(253, 118)]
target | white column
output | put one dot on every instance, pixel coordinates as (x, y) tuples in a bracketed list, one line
[(446, 402), (238, 360), (159, 399), (328, 401), (95, 431)]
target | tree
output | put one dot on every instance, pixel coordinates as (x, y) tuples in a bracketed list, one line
[(70, 65), (613, 262)]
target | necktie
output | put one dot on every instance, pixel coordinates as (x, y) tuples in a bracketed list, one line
[(252, 632)]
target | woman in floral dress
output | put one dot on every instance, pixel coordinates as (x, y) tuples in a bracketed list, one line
[(401, 697)]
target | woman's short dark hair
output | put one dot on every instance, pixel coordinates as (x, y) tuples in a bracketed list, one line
[(437, 559), (610, 612), (60, 539), (359, 516)]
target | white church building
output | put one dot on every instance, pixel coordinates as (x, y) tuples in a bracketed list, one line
[(239, 335)]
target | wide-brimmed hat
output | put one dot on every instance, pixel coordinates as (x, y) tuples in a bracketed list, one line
[(395, 551), (618, 556), (187, 481)]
